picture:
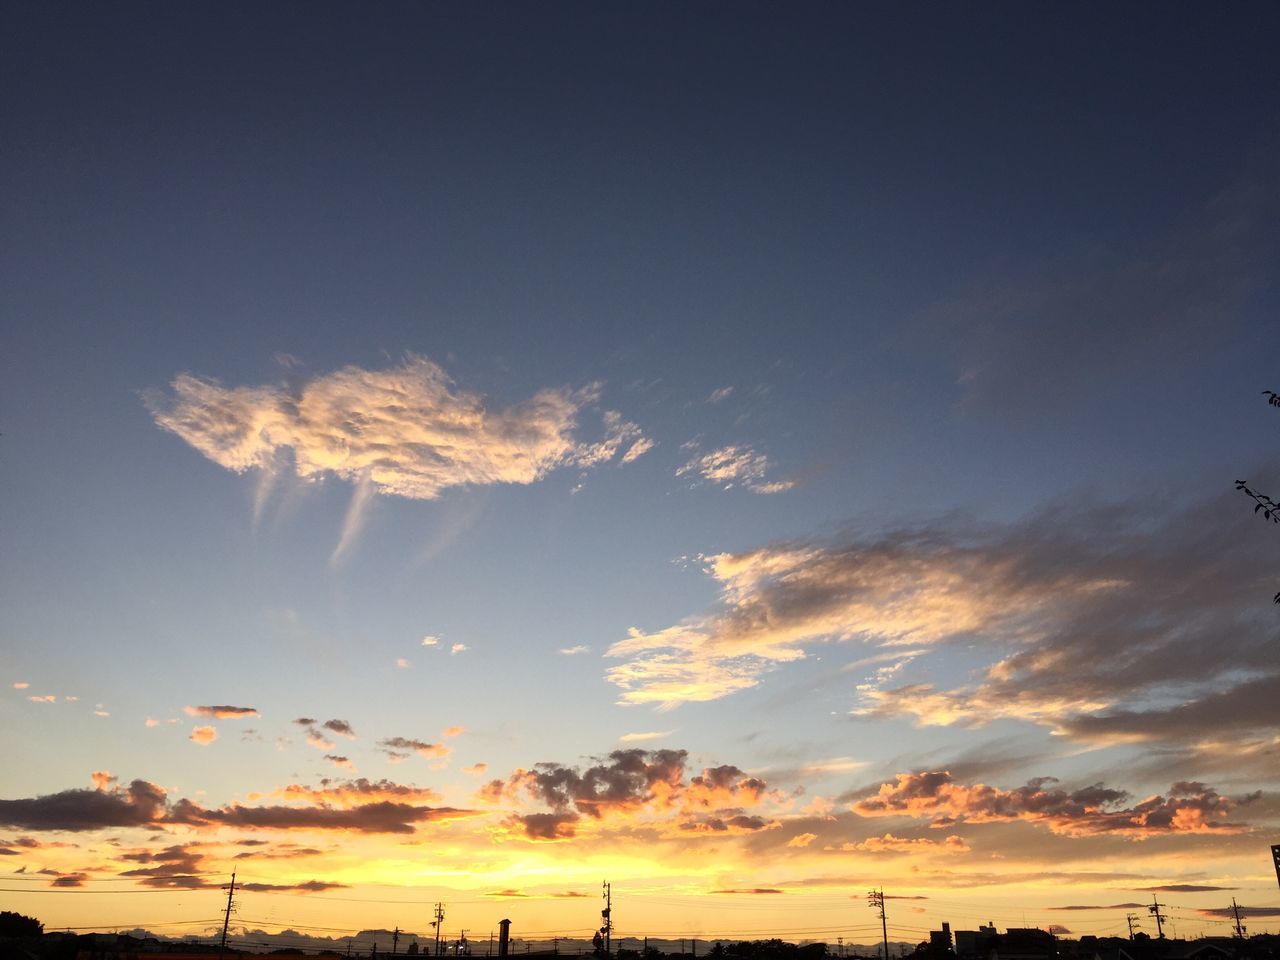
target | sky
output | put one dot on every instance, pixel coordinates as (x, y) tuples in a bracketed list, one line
[(751, 455)]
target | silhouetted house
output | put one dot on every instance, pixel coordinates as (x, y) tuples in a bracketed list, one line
[(940, 940), (974, 943), (1022, 943)]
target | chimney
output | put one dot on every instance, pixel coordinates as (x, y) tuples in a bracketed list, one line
[(504, 937)]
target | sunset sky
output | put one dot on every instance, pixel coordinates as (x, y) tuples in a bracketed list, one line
[(747, 453)]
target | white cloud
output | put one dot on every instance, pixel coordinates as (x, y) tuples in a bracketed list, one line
[(458, 648), (642, 737), (724, 393), (574, 651), (735, 465), (404, 431), (430, 641), (402, 663)]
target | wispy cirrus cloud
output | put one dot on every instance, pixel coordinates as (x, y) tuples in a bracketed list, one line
[(732, 466), (403, 431), (643, 737), (400, 748)]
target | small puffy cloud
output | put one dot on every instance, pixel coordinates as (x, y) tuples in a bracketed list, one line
[(734, 465), (102, 779), (404, 430), (341, 762), (430, 641), (21, 685), (574, 651), (458, 648), (340, 727), (476, 769), (719, 395), (642, 737), (318, 740), (802, 840), (402, 663), (220, 712), (151, 722), (99, 711), (43, 698), (203, 735), (453, 731)]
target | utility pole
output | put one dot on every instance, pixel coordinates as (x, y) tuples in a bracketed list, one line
[(489, 952), (438, 923), (1235, 909), (840, 951), (607, 914), (1154, 910), (395, 940), (875, 899), (1129, 918), (226, 920)]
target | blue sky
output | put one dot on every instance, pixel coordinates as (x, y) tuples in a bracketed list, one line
[(929, 340)]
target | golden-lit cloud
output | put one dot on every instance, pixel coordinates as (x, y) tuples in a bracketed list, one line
[(894, 845), (643, 737), (405, 430), (102, 779), (351, 793), (476, 769), (21, 685), (1045, 599), (203, 735), (731, 466), (634, 785), (937, 797)]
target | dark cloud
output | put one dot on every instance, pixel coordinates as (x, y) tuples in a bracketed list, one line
[(1247, 913), (306, 722), (626, 780), (383, 817), (1109, 906), (221, 711), (69, 880), (507, 893), (141, 804), (340, 727), (399, 747), (1183, 888), (547, 826)]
